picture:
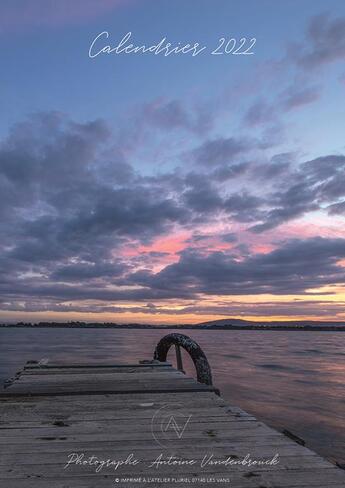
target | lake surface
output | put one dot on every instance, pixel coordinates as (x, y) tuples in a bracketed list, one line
[(288, 379)]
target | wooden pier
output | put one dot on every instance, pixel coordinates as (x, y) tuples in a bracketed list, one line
[(52, 412)]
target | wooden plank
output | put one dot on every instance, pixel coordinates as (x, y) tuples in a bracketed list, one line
[(149, 364), (74, 417), (267, 445), (111, 390), (128, 425), (112, 370), (125, 435), (135, 398), (76, 385), (97, 378), (103, 383)]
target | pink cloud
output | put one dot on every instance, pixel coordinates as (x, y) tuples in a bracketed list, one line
[(324, 227), (17, 15), (171, 244)]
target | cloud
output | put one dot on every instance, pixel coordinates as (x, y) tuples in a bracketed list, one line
[(80, 224), (259, 113), (337, 208), (310, 187), (243, 207), (56, 171), (278, 167), (229, 172), (297, 200), (322, 309), (220, 152), (229, 237), (170, 115), (297, 96), (292, 268), (324, 44), (87, 271), (201, 195)]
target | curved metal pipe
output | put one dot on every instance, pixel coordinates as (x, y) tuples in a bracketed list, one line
[(201, 364)]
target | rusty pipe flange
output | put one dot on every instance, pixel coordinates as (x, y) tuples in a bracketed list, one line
[(202, 367)]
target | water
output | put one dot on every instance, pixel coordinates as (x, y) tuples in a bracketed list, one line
[(288, 379)]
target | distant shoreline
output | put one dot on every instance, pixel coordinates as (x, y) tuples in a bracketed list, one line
[(263, 327)]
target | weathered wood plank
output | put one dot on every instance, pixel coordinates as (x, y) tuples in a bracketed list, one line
[(127, 425), (74, 383), (232, 435), (56, 445), (104, 370), (149, 364), (44, 418), (132, 401), (96, 378), (109, 386)]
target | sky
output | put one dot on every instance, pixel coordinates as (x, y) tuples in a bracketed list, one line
[(141, 187)]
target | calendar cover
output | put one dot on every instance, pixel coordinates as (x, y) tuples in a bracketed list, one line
[(172, 243)]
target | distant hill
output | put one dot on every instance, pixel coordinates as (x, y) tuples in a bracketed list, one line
[(229, 321), (239, 323)]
